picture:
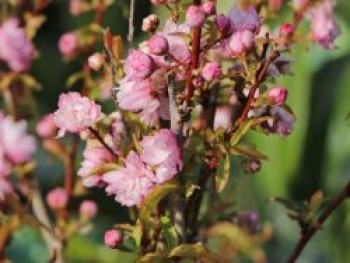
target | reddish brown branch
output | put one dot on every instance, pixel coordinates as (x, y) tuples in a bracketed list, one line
[(70, 169), (96, 134), (307, 235)]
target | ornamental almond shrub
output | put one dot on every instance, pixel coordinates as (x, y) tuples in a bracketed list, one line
[(156, 125)]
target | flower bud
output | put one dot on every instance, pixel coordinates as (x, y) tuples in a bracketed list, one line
[(195, 16), (113, 238), (209, 8), (286, 30), (158, 2), (46, 128), (57, 199), (88, 209), (76, 7), (68, 44), (96, 61), (241, 42), (277, 95), (197, 82), (158, 45), (150, 23), (211, 71)]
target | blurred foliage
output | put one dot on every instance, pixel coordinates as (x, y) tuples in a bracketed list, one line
[(315, 156)]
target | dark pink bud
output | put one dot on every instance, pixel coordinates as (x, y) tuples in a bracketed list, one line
[(286, 29), (209, 8), (158, 45), (113, 238), (224, 24), (197, 82), (68, 44), (57, 199), (211, 71), (277, 95), (195, 16)]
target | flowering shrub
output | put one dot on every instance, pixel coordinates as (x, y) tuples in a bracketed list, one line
[(184, 101)]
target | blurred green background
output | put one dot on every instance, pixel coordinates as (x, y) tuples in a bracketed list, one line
[(315, 156)]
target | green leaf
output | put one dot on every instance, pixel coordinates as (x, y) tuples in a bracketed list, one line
[(103, 168), (169, 232), (153, 258), (223, 173), (74, 78), (152, 200), (316, 201), (194, 251), (246, 151)]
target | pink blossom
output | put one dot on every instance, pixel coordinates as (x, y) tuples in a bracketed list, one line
[(158, 2), (150, 23), (94, 156), (17, 145), (138, 65), (324, 27), (277, 95), (15, 47), (209, 8), (195, 16), (132, 183), (197, 82), (162, 152), (46, 127), (76, 7), (57, 198), (158, 45), (136, 96), (247, 19), (211, 70), (286, 29), (88, 209), (96, 61), (75, 113), (241, 41), (113, 238), (68, 44), (223, 117)]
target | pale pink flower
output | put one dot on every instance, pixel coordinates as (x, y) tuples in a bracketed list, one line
[(113, 238), (158, 45), (223, 117), (241, 41), (209, 8), (94, 156), (57, 198), (75, 113), (132, 183), (277, 95), (150, 23), (46, 127), (162, 152), (15, 47), (68, 44), (17, 145), (247, 19), (88, 209), (138, 65), (211, 70), (96, 61), (195, 16), (76, 7)]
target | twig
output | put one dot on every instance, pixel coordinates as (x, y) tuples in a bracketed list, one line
[(130, 36), (69, 167), (101, 140), (308, 234)]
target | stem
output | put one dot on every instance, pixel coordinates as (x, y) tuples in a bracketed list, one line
[(308, 234), (69, 168), (130, 36), (100, 139)]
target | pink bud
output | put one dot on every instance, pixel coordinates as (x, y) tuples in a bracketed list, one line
[(76, 7), (57, 198), (68, 44), (195, 16), (275, 4), (88, 209), (47, 128), (96, 61), (150, 23), (138, 65), (277, 95), (211, 71), (197, 82), (286, 29), (241, 41), (158, 2), (113, 238), (158, 45), (209, 8)]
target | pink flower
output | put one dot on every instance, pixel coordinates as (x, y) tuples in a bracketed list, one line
[(96, 61), (94, 156), (17, 145), (113, 238), (138, 65), (277, 95), (75, 113), (241, 41), (158, 45), (57, 199), (46, 128), (158, 2), (223, 117), (76, 7), (15, 47), (324, 27), (162, 152), (132, 183), (211, 70), (247, 19), (5, 188), (286, 29), (195, 16), (88, 209), (150, 23), (68, 44), (209, 8), (136, 96)]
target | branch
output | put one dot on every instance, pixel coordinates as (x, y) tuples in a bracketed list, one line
[(100, 139), (130, 36), (308, 234)]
